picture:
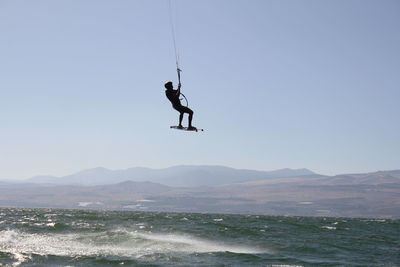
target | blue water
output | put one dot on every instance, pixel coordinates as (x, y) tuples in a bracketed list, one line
[(50, 237)]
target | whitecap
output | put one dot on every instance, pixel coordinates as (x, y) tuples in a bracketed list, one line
[(191, 244), (121, 243), (20, 258), (329, 227)]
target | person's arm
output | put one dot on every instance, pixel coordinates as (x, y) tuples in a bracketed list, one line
[(178, 91)]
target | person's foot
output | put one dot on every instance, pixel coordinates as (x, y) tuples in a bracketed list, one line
[(192, 128), (180, 127)]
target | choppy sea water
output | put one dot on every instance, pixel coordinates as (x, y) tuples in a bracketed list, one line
[(51, 237)]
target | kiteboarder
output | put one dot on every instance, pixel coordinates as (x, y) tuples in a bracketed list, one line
[(174, 97)]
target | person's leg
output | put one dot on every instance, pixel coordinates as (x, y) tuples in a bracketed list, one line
[(190, 112), (180, 119), (183, 110), (190, 118)]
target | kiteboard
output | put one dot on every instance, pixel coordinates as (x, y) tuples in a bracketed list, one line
[(187, 129)]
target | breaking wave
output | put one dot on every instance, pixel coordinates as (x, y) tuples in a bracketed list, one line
[(121, 243)]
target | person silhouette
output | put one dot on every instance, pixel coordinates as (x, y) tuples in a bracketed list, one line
[(173, 96)]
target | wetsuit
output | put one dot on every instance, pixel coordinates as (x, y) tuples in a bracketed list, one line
[(173, 96), (176, 102)]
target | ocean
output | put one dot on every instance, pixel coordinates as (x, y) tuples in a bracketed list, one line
[(54, 237)]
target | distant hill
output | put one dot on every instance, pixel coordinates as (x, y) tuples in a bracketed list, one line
[(183, 176), (373, 195)]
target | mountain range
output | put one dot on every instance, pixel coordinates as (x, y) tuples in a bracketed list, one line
[(181, 176), (214, 189)]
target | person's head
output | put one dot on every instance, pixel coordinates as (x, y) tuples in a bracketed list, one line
[(169, 85)]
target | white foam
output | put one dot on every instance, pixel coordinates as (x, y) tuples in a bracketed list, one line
[(122, 243), (328, 227), (20, 258), (190, 244)]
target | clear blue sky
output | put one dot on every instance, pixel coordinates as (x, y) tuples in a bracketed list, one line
[(276, 84)]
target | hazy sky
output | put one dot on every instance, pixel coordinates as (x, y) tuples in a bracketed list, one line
[(275, 84)]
